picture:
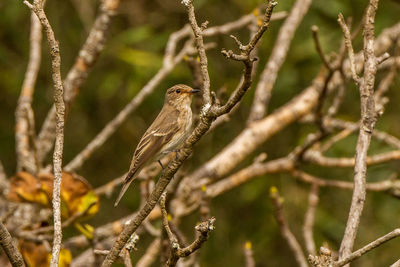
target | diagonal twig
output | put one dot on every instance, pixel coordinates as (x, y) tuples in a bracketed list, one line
[(294, 245), (10, 249)]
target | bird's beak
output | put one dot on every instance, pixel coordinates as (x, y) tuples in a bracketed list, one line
[(193, 91)]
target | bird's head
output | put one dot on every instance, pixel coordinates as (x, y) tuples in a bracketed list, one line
[(179, 95)]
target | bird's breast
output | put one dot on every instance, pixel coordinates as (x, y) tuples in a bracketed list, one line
[(185, 125)]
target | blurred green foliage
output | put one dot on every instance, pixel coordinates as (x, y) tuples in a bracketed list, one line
[(134, 54)]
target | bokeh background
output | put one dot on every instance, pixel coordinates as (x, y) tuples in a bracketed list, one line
[(133, 55)]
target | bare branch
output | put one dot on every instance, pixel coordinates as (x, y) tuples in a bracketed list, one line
[(25, 155), (203, 229), (309, 219), (349, 127), (37, 7), (246, 174), (240, 23), (349, 46), (244, 56), (198, 37), (176, 250), (294, 245), (278, 56), (318, 47), (10, 249), (316, 157), (388, 185), (368, 120), (172, 238), (358, 253)]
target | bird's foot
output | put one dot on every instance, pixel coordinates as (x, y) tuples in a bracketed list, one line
[(159, 162)]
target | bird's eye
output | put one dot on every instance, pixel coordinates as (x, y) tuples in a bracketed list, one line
[(178, 91)]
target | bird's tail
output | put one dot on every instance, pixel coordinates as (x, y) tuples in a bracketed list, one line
[(130, 177)]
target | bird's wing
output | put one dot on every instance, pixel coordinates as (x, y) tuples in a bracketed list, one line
[(164, 127)]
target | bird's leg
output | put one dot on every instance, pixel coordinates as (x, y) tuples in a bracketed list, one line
[(171, 151), (176, 153), (159, 162)]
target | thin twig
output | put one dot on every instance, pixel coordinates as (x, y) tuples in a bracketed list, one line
[(389, 184), (318, 47), (198, 37), (358, 253), (244, 56), (315, 157), (278, 56), (25, 155), (294, 245), (350, 50), (172, 238), (203, 230), (309, 219), (176, 250)]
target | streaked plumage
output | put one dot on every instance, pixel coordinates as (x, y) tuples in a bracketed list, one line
[(165, 134)]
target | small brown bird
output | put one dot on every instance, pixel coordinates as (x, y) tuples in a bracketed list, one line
[(168, 131)]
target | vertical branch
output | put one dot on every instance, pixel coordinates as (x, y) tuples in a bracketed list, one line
[(25, 157), (349, 47), (198, 36), (37, 7), (278, 56), (310, 219), (10, 249), (368, 120)]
